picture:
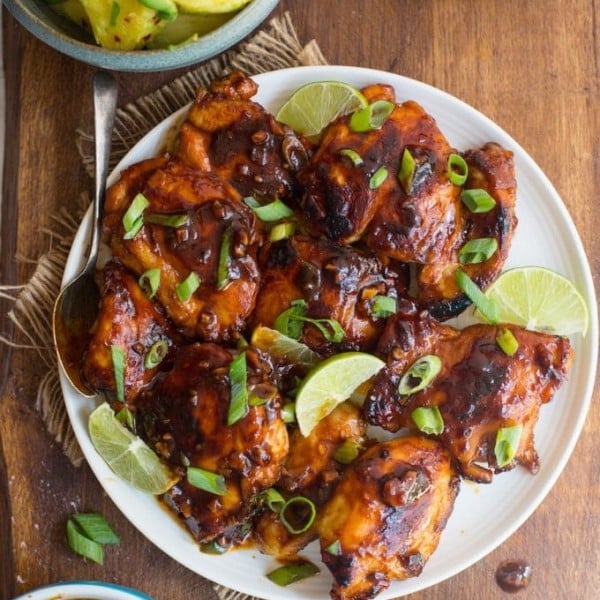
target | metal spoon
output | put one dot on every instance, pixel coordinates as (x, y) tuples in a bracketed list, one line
[(77, 305)]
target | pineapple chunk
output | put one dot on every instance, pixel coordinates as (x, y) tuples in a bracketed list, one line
[(210, 6), (187, 28), (127, 24), (72, 10)]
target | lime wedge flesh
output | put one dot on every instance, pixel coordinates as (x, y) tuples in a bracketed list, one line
[(331, 382), (539, 299), (127, 454), (313, 106), (284, 348)]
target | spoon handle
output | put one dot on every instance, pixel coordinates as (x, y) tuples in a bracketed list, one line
[(105, 106)]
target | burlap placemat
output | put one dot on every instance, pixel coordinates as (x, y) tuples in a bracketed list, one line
[(275, 47)]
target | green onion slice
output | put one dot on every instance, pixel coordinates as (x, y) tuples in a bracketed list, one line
[(133, 218), (149, 282), (353, 155), (270, 212), (117, 355), (224, 259), (165, 9), (428, 419), (334, 548), (507, 444), (187, 287), (477, 200), (347, 451), (378, 178), (282, 231), (309, 520), (290, 573), (95, 527), (383, 306), (238, 382), (273, 499), (406, 174), (458, 170), (82, 545), (488, 308), (371, 117), (156, 354), (115, 9), (125, 416), (477, 251), (288, 413), (214, 483), (167, 220), (420, 374), (507, 341), (291, 322), (213, 547)]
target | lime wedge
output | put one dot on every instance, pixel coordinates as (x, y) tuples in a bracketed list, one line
[(284, 348), (539, 299), (331, 382), (126, 454), (314, 105)]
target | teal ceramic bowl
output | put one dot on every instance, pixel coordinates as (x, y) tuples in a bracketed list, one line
[(66, 37), (91, 590)]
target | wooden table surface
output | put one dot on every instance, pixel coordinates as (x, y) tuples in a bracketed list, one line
[(533, 67)]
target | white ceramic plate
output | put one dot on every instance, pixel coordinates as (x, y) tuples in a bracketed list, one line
[(90, 590), (545, 236)]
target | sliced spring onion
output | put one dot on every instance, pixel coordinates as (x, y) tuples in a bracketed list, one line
[(347, 451), (95, 527), (507, 341), (507, 444), (353, 155), (383, 306), (291, 322), (428, 419), (488, 308), (238, 385), (458, 170), (420, 374), (334, 548), (214, 483), (292, 572), (213, 547), (82, 545), (477, 251), (125, 416), (477, 200), (378, 178), (156, 354), (117, 355), (187, 287), (282, 231), (149, 282), (133, 218), (270, 212), (167, 220), (371, 117), (273, 499), (115, 9), (406, 174), (165, 9), (288, 413), (224, 259), (309, 519)]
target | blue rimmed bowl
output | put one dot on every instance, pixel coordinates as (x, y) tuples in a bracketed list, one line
[(66, 37), (90, 590)]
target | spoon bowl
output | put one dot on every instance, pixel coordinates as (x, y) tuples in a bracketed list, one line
[(77, 305)]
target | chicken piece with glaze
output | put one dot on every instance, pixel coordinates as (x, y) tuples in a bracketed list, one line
[(479, 390), (185, 418), (229, 134), (215, 242), (386, 516)]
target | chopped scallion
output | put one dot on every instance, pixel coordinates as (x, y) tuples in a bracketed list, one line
[(477, 251), (378, 178), (224, 259), (458, 170), (291, 321), (270, 212), (167, 220), (156, 354), (125, 416), (133, 218), (213, 547), (214, 483), (507, 444), (335, 548), (308, 519), (477, 200), (282, 231), (118, 358), (353, 155), (488, 308), (406, 174), (273, 499), (383, 306), (507, 341), (347, 451), (115, 9), (288, 413), (95, 527), (238, 385), (371, 117), (187, 287), (420, 374), (82, 545), (428, 419), (149, 282), (292, 572)]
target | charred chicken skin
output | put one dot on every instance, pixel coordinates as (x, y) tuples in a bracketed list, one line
[(225, 132), (479, 389), (385, 518), (216, 243), (185, 419)]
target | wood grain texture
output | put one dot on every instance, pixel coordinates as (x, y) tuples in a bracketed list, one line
[(533, 67)]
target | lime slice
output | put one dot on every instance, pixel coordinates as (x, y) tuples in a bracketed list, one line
[(284, 348), (331, 382), (126, 454), (313, 106), (539, 299)]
